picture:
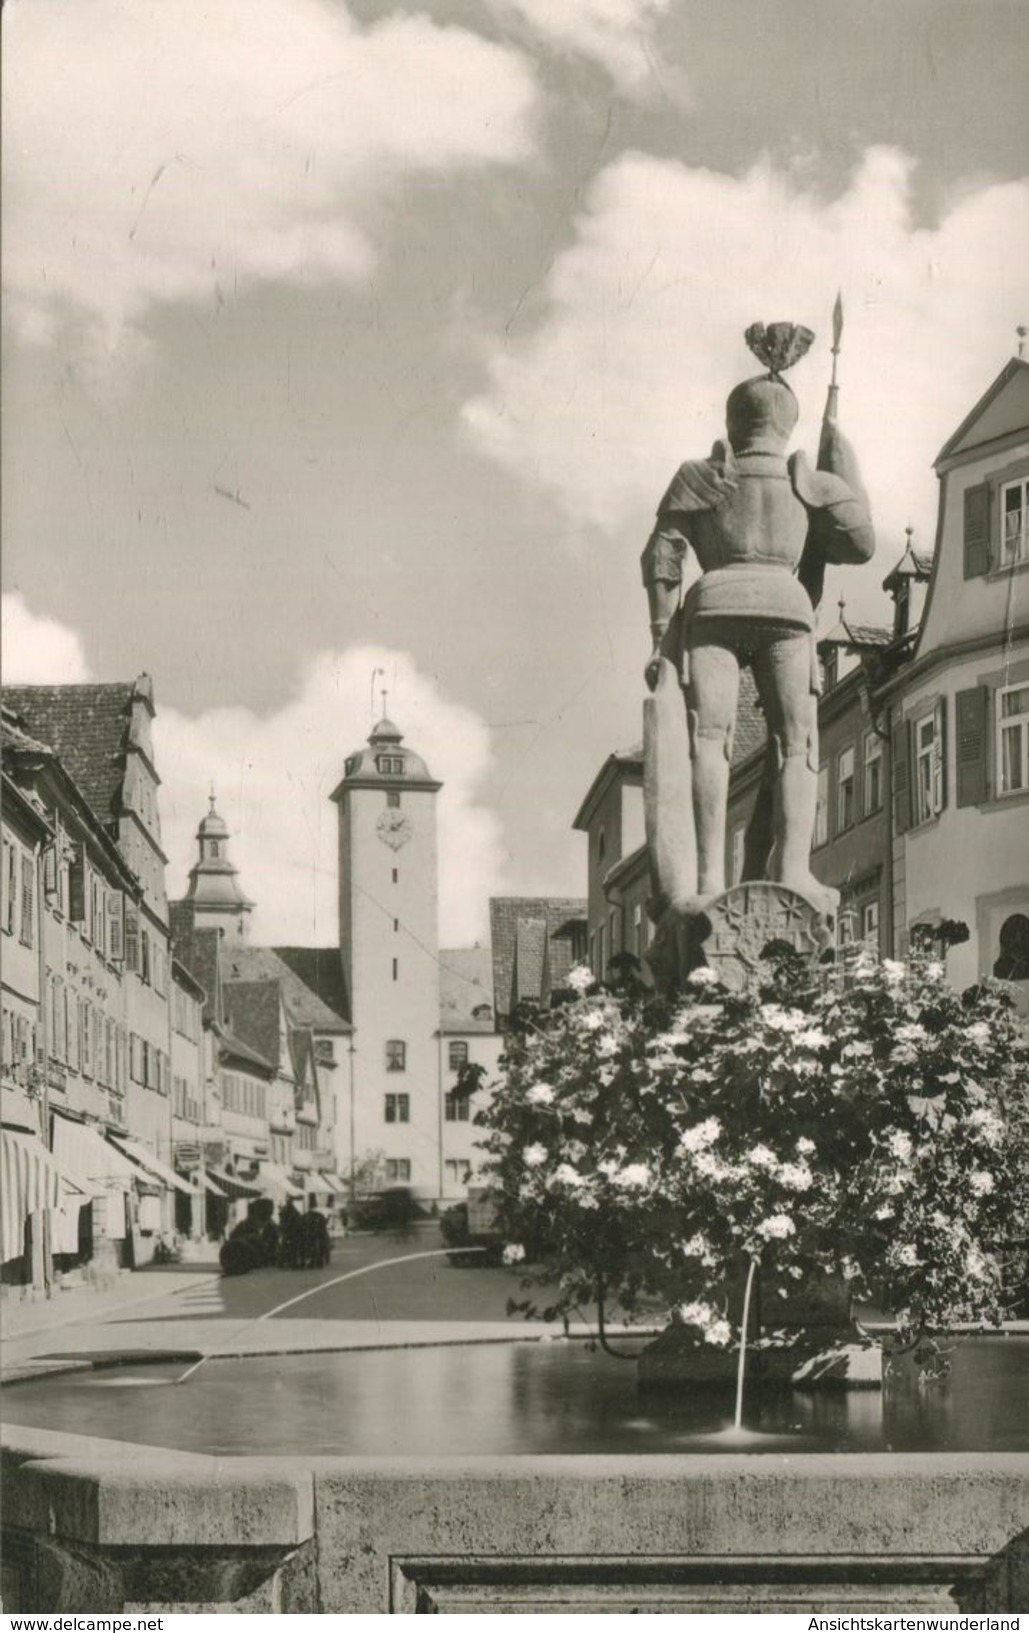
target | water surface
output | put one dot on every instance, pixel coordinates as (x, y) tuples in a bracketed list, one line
[(515, 1399)]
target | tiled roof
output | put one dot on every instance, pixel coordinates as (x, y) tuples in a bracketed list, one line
[(305, 1007), (198, 950), (751, 732), (530, 957), (89, 727), (465, 985), (320, 970), (506, 912), (236, 1049), (252, 1012)]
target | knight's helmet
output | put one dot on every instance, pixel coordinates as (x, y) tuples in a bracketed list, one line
[(760, 413)]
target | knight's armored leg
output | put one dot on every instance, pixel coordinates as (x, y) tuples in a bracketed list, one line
[(783, 676), (711, 701)]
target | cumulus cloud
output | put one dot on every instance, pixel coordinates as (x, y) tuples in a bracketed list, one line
[(157, 150), (37, 650), (617, 34), (640, 334), (273, 775)]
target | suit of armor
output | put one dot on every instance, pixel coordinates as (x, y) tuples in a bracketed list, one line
[(748, 513)]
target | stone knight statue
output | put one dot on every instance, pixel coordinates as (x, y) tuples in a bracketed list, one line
[(753, 517)]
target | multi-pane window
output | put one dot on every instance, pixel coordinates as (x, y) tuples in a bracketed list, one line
[(870, 922), (873, 790), (457, 1056), (456, 1108), (1013, 738), (398, 1108), (844, 789), (396, 1055), (398, 1170), (928, 769), (821, 833), (390, 765), (1014, 515), (458, 1170)]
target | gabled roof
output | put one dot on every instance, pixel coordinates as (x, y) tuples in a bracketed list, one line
[(987, 419), (320, 971), (466, 985), (253, 1012), (856, 637), (26, 757), (559, 916), (304, 1005), (200, 952), (89, 728), (232, 1048)]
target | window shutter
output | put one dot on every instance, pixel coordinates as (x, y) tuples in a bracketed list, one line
[(77, 887), (940, 755), (972, 728), (977, 530), (901, 777)]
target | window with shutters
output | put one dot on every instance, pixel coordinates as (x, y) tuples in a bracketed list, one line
[(27, 931), (873, 788), (144, 956), (1013, 739), (821, 833), (131, 939), (1014, 522), (51, 870), (845, 789), (926, 759)]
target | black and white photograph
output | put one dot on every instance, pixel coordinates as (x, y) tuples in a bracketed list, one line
[(515, 809)]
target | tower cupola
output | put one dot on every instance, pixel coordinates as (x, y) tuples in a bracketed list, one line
[(214, 891)]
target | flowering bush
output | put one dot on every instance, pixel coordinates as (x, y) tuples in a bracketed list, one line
[(869, 1122)]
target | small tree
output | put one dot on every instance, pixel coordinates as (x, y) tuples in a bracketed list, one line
[(869, 1122)]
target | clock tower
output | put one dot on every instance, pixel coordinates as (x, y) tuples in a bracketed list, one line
[(389, 948)]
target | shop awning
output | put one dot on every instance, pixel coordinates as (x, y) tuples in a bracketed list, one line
[(212, 1186), (86, 1155), (319, 1184), (30, 1180), (229, 1185), (275, 1181), (153, 1165)]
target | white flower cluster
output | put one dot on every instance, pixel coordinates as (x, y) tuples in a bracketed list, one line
[(541, 1094), (701, 1135), (714, 1327), (580, 979)]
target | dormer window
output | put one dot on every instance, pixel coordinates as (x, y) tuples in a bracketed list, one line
[(390, 765)]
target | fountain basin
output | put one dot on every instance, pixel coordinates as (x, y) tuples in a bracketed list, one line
[(97, 1523)]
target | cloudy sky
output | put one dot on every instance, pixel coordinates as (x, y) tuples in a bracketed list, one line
[(346, 336)]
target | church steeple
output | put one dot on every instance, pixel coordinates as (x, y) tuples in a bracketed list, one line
[(214, 892)]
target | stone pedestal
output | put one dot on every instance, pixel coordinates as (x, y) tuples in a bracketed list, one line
[(730, 934), (823, 1351)]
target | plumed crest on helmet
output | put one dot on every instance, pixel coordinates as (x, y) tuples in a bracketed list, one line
[(778, 345)]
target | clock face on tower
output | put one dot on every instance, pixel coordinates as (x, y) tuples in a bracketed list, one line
[(394, 828)]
